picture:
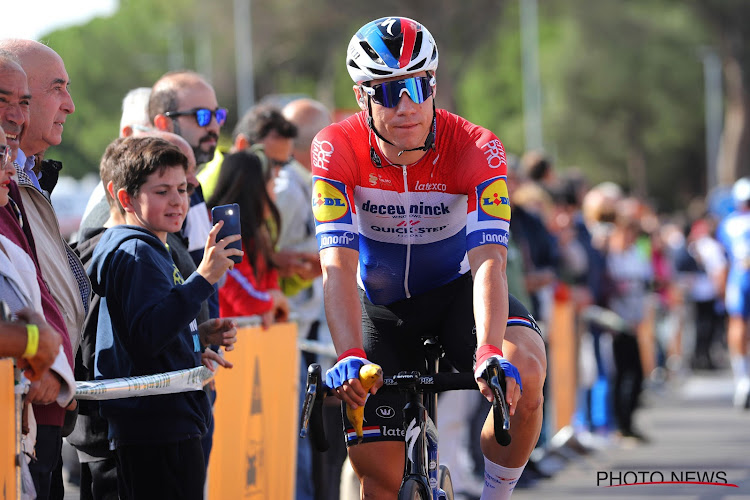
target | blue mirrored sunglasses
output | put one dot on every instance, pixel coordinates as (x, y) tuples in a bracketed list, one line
[(387, 94), (202, 115)]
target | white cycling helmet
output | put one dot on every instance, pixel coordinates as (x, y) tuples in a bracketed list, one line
[(741, 191), (390, 46)]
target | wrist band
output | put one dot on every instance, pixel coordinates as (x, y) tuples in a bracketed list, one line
[(32, 341), (352, 352), (488, 350)]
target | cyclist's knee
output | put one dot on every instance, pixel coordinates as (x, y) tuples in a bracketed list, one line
[(379, 466), (525, 349)]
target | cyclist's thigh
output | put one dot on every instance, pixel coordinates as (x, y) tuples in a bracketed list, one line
[(392, 343), (368, 462), (458, 334), (392, 337)]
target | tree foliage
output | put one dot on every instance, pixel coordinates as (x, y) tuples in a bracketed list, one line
[(622, 82)]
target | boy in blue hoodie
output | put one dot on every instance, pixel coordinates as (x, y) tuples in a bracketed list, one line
[(147, 324)]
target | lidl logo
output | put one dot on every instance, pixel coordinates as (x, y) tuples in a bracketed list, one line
[(329, 200), (492, 200)]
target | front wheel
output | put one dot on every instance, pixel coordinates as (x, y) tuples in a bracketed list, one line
[(413, 490), (445, 482)]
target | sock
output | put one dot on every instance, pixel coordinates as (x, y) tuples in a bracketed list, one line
[(739, 367), (499, 481)]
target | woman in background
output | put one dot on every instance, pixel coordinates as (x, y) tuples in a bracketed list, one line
[(252, 287)]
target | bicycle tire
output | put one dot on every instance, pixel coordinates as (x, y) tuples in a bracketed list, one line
[(413, 490), (445, 482)]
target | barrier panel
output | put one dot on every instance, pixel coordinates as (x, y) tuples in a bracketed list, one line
[(256, 416), (563, 362), (8, 483)]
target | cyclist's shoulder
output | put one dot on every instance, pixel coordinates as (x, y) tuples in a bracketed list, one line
[(474, 147), (338, 149)]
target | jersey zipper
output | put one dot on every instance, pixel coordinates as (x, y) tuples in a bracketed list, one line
[(408, 234)]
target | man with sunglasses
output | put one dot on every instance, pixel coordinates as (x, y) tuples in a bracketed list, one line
[(407, 200), (183, 102)]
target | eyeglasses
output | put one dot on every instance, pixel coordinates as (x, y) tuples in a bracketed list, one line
[(5, 155), (389, 93), (202, 115), (279, 163)]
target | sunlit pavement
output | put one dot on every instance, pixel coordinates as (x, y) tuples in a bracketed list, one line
[(695, 435)]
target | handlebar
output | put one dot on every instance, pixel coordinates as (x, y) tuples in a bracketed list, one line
[(311, 419)]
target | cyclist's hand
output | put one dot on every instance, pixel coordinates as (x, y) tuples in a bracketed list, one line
[(513, 385), (343, 378)]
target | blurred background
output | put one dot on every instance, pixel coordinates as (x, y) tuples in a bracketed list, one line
[(650, 94)]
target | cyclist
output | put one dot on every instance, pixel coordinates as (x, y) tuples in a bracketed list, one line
[(734, 234), (407, 200)]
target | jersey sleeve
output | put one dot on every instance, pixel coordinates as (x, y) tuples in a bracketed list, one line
[(488, 216), (333, 168)]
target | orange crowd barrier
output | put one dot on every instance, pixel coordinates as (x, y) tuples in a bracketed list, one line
[(8, 483), (256, 416), (563, 358)]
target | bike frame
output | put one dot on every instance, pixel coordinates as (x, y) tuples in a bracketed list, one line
[(420, 426)]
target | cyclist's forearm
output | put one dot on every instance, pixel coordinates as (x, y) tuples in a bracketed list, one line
[(341, 298), (490, 295)]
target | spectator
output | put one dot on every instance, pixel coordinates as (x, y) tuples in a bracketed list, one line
[(630, 272), (98, 467), (262, 125), (61, 269), (35, 349), (253, 286), (157, 439)]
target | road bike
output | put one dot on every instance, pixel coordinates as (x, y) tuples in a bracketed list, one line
[(424, 477)]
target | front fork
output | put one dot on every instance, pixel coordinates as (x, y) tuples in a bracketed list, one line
[(421, 441), (416, 441)]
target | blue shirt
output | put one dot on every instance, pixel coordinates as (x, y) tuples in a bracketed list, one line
[(28, 168)]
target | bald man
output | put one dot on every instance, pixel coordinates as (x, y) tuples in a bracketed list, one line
[(62, 270)]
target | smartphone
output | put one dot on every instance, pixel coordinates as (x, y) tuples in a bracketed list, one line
[(230, 214)]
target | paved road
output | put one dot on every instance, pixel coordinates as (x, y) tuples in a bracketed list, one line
[(693, 431)]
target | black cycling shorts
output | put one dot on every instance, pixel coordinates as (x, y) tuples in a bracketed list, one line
[(393, 336)]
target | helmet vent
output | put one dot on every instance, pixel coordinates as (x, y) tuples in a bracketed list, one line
[(417, 45), (379, 72), (417, 66), (371, 52)]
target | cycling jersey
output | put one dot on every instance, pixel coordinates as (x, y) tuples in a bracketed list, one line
[(734, 234), (412, 224)]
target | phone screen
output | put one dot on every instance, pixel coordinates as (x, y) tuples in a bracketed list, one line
[(230, 214)]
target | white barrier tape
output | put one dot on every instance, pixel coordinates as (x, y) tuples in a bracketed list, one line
[(192, 379), (316, 347), (605, 318)]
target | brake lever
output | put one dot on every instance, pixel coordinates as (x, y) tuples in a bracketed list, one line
[(311, 389), (496, 379), (311, 419)]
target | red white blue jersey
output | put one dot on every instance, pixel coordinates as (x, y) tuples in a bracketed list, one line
[(412, 224)]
